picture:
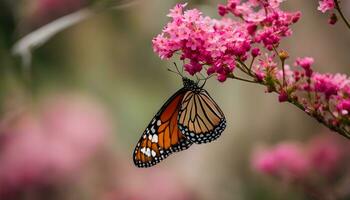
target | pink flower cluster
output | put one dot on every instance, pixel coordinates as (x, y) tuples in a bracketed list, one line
[(322, 158), (135, 185), (326, 5), (202, 41), (324, 95), (50, 145), (285, 161)]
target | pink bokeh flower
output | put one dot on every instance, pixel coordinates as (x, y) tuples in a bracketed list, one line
[(326, 5), (285, 161), (320, 159), (156, 184), (326, 154), (51, 144), (305, 63)]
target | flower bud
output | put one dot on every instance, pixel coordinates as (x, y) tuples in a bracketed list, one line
[(333, 19), (283, 55), (283, 96), (255, 52)]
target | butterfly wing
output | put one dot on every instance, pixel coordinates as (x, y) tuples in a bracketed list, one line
[(200, 118), (162, 136)]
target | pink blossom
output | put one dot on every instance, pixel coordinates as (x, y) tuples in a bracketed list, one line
[(136, 185), (319, 159), (326, 154), (222, 10), (305, 63), (283, 96), (264, 161), (255, 52), (326, 5), (343, 106), (333, 19), (286, 161), (324, 83), (217, 43)]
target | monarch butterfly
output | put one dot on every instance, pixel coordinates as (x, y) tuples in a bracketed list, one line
[(189, 116)]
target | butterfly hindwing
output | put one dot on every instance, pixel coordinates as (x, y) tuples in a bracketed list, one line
[(200, 118), (162, 136)]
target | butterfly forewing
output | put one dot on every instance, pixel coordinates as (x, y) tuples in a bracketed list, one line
[(200, 118), (162, 136)]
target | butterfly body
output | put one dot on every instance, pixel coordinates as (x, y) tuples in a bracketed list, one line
[(189, 116)]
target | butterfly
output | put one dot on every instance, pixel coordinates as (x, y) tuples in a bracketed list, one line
[(189, 116)]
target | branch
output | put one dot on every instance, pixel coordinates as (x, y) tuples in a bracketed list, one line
[(337, 7), (314, 115)]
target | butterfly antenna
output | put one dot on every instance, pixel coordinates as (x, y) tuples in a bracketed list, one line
[(174, 72), (202, 75), (198, 79), (177, 69), (183, 64), (205, 79)]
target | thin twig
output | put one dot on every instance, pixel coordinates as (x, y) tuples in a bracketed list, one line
[(241, 79), (337, 7), (314, 115)]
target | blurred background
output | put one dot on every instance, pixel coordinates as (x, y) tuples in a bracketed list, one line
[(74, 105)]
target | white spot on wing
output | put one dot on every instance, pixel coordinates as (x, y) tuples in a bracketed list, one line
[(148, 152), (153, 153), (155, 138)]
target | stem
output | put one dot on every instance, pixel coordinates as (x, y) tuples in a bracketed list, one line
[(283, 74), (338, 129), (244, 66), (248, 72), (314, 115), (282, 64), (337, 7), (251, 64), (241, 79)]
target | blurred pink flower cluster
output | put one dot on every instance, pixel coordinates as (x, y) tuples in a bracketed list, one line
[(50, 144), (218, 44), (155, 184), (326, 5), (321, 159)]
